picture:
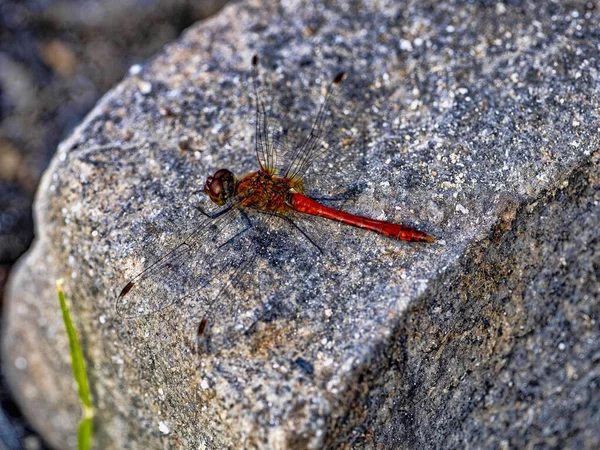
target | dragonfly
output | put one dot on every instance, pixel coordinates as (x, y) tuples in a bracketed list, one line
[(267, 191)]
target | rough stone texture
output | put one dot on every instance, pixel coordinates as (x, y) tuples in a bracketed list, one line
[(503, 353), (477, 123)]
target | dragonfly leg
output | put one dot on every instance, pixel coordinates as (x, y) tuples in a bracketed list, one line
[(291, 222), (215, 214), (304, 233)]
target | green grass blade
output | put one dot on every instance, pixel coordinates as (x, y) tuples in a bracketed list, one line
[(84, 434)]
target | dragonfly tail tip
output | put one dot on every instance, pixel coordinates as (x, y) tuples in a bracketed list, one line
[(427, 238)]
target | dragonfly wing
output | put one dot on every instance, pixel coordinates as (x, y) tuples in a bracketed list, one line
[(303, 155), (264, 127), (192, 265)]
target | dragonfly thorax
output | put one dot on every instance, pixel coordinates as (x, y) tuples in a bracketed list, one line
[(264, 190)]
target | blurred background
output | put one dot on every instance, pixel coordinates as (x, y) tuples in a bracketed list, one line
[(57, 58)]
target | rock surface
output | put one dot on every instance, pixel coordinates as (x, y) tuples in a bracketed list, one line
[(477, 123)]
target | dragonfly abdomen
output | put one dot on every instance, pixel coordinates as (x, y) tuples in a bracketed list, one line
[(306, 205)]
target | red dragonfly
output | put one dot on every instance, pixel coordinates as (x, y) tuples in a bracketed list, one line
[(265, 191)]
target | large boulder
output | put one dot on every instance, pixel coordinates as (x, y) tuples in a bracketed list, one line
[(476, 123)]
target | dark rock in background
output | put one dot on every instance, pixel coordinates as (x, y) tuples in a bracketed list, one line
[(477, 122), (56, 59)]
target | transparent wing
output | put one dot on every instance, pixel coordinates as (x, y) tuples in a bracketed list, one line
[(337, 164), (266, 153), (200, 259), (327, 155), (303, 154)]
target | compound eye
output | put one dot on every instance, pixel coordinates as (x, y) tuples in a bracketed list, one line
[(222, 173), (216, 187), (220, 186)]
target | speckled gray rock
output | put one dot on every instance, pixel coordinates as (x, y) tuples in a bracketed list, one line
[(476, 123)]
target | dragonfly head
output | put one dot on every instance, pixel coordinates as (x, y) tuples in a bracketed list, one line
[(220, 187)]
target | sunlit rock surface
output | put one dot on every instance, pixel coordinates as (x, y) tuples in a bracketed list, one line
[(477, 124)]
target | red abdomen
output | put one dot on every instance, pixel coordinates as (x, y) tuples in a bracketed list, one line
[(305, 205)]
